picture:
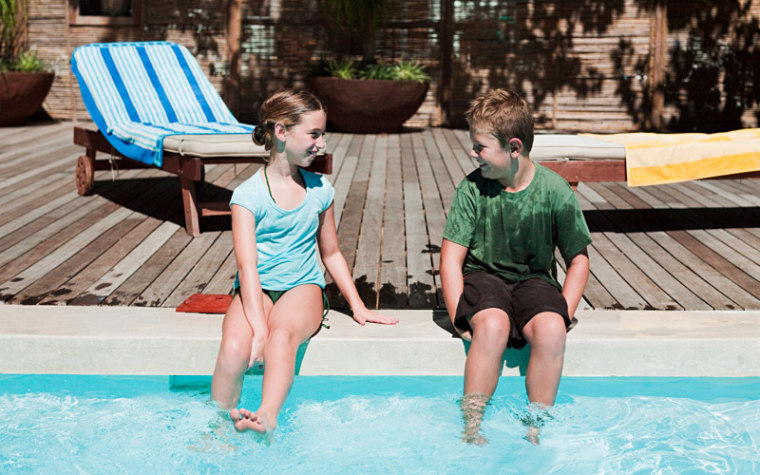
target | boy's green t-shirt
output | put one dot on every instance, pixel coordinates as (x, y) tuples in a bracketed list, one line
[(513, 235)]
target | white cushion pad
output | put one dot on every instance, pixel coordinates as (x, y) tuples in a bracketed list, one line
[(214, 145), (574, 147)]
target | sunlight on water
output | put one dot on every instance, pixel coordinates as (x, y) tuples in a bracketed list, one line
[(365, 425)]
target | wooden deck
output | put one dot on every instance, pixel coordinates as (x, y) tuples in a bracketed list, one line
[(693, 246)]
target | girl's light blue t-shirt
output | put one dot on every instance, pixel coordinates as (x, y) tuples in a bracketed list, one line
[(286, 239)]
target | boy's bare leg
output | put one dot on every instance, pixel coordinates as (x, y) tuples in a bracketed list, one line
[(546, 334), (490, 333), (295, 317), (234, 353)]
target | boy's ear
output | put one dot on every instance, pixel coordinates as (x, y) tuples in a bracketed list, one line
[(515, 146)]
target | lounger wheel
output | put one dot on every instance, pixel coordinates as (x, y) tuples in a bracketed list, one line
[(85, 175)]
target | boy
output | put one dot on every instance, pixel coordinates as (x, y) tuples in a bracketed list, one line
[(498, 269)]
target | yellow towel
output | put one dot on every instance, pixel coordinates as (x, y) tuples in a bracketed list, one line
[(653, 159)]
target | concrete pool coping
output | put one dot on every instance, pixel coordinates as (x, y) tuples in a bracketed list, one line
[(160, 341)]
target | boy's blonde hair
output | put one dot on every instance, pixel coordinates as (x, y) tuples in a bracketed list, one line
[(504, 114), (286, 107)]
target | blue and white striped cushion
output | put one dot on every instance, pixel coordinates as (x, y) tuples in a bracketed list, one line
[(137, 93)]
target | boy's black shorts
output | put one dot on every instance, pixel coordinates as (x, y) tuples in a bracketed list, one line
[(521, 302)]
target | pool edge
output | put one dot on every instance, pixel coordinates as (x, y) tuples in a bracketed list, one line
[(160, 341)]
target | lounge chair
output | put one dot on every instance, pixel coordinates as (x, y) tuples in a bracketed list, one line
[(154, 107), (644, 159)]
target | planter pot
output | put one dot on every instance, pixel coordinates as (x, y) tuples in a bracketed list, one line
[(368, 105), (21, 95)]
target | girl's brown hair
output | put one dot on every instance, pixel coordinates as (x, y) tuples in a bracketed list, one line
[(504, 114), (285, 107)]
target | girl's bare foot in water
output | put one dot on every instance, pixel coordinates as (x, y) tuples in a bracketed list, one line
[(244, 420)]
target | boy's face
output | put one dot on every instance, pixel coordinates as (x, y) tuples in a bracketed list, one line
[(495, 161)]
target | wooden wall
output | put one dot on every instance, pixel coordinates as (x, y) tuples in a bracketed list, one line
[(584, 65)]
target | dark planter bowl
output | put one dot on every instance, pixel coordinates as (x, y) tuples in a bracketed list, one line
[(368, 106), (22, 94)]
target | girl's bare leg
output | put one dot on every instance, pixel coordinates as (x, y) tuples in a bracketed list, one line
[(295, 317), (234, 353)]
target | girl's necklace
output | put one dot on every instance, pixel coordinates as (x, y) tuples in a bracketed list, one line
[(268, 188), (266, 178)]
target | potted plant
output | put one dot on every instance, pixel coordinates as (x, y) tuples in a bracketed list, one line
[(368, 97), (24, 80)]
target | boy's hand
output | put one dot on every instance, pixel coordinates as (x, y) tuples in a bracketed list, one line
[(465, 334), (364, 315)]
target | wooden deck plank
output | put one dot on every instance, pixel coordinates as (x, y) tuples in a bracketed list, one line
[(13, 138), (46, 155), (467, 163), (661, 194), (38, 269), (20, 221), (53, 288), (700, 195), (366, 268), (596, 295), (729, 279), (127, 266), (743, 241), (420, 279), (173, 274), (459, 154), (589, 195), (718, 188), (440, 158), (624, 258), (70, 213), (207, 265), (222, 280), (744, 258), (345, 174), (134, 290), (393, 286), (51, 236), (58, 164), (111, 257), (23, 154), (607, 275), (693, 261), (435, 217), (20, 201), (353, 210), (642, 250)]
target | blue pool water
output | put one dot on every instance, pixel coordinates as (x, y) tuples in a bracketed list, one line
[(97, 424)]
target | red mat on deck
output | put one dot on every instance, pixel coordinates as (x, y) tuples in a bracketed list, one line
[(205, 303)]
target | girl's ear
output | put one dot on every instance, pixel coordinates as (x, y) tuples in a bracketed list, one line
[(280, 131)]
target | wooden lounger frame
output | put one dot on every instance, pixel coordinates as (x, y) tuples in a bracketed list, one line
[(189, 169), (576, 171)]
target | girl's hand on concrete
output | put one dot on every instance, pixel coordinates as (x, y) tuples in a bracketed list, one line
[(364, 315)]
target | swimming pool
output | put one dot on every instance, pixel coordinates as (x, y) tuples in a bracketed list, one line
[(100, 424)]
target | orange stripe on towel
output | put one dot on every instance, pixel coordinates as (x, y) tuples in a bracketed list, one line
[(694, 170)]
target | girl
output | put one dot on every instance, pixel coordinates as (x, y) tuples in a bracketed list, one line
[(279, 216)]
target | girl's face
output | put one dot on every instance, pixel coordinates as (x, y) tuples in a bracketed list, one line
[(306, 138)]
